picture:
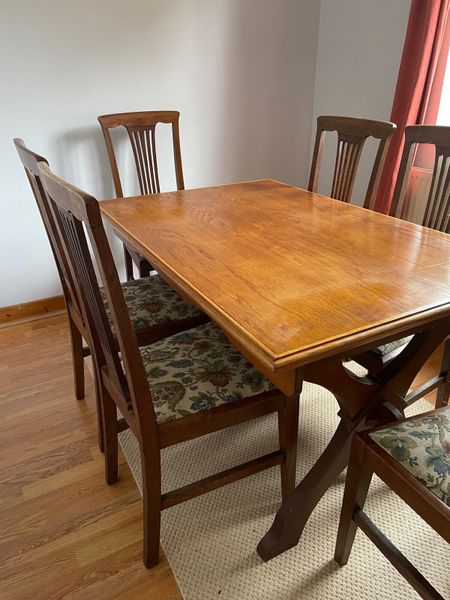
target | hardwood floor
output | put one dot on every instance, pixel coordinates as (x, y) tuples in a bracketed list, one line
[(65, 534)]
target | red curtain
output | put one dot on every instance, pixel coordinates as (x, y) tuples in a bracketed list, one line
[(419, 83)]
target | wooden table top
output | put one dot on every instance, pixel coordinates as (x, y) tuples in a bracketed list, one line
[(290, 276)]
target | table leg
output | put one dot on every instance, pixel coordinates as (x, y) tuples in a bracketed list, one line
[(364, 402), (283, 535)]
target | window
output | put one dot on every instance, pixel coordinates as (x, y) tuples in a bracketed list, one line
[(443, 117)]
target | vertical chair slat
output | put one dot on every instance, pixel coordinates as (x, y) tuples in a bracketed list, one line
[(141, 127), (352, 134)]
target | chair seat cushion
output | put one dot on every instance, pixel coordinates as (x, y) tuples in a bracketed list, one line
[(151, 302), (196, 370), (422, 445), (386, 349)]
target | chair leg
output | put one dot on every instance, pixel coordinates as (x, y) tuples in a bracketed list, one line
[(77, 359), (151, 496), (100, 418), (110, 437), (128, 265), (443, 393), (356, 488), (288, 435), (144, 268)]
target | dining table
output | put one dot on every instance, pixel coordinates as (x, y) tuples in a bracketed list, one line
[(301, 283)]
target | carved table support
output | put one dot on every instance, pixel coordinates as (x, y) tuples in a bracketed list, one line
[(364, 402)]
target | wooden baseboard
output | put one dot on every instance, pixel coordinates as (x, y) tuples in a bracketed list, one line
[(29, 310)]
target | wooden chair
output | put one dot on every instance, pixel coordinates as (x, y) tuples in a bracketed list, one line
[(407, 469), (141, 129), (437, 213), (436, 216), (185, 386), (155, 309), (77, 326), (352, 134)]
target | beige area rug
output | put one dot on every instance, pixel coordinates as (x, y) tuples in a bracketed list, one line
[(211, 541)]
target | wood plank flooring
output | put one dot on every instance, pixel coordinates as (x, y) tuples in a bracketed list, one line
[(65, 534)]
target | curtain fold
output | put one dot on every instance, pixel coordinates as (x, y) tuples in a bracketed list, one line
[(419, 83)]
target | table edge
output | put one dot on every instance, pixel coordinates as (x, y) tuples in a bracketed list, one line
[(263, 356)]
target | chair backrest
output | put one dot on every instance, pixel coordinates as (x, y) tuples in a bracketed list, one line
[(75, 214), (30, 162), (141, 129), (437, 211), (352, 134)]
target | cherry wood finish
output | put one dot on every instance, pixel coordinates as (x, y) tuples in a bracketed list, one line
[(367, 458), (126, 387), (141, 129), (342, 280), (341, 277), (436, 216), (77, 326), (437, 213), (352, 135), (79, 331)]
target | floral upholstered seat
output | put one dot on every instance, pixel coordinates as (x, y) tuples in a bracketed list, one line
[(386, 349), (196, 370), (422, 445), (151, 301)]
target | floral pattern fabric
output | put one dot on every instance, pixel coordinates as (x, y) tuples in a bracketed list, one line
[(151, 301), (196, 370), (422, 445), (386, 349)]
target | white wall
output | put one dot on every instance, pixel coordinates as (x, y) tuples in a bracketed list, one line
[(240, 71), (359, 52)]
